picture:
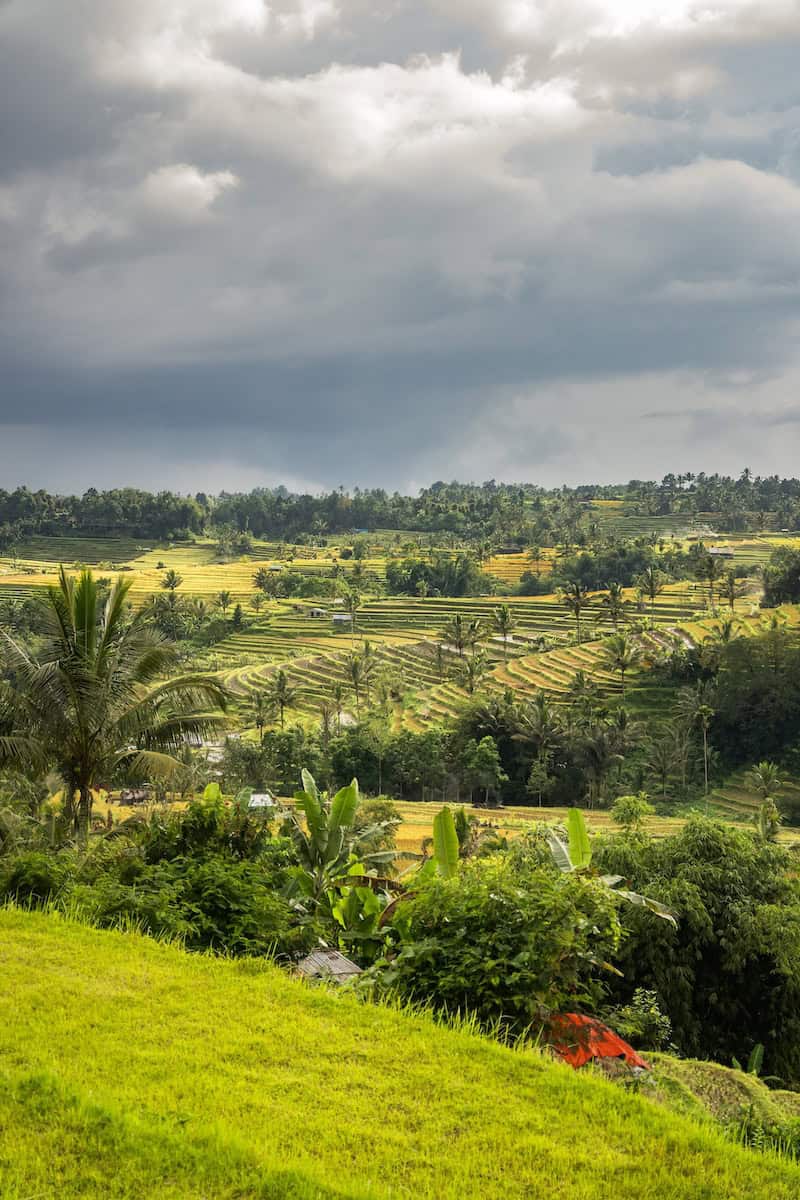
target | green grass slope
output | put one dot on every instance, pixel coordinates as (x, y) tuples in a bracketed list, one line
[(131, 1069)]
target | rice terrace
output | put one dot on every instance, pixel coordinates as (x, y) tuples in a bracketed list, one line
[(481, 768), (399, 600)]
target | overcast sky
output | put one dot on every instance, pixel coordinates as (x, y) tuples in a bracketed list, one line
[(388, 241)]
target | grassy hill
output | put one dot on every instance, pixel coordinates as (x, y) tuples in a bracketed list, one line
[(131, 1069)]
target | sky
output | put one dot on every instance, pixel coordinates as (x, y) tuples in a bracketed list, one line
[(383, 242)]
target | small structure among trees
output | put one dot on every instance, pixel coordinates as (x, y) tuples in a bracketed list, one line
[(330, 966)]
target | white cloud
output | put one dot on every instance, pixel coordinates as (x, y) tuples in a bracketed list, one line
[(427, 202), (180, 192)]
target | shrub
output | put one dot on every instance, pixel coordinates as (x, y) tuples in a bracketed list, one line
[(641, 1021), (631, 811), (507, 945), (33, 877)]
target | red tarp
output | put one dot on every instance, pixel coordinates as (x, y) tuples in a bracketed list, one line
[(577, 1040)]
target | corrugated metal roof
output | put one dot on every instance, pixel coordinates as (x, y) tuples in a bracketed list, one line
[(327, 964)]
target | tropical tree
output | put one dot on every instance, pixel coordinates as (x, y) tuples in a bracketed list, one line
[(535, 557), (455, 633), (338, 692), (730, 589), (614, 602), (99, 696), (471, 671), (621, 654), (693, 707), (765, 779), (224, 601), (539, 725), (474, 633), (711, 570), (256, 601), (575, 597), (504, 623), (266, 581), (171, 580), (352, 603), (261, 710), (600, 752), (356, 677), (652, 583), (328, 838), (199, 612), (281, 694), (575, 855)]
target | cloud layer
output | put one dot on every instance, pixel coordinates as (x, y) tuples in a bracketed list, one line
[(322, 242)]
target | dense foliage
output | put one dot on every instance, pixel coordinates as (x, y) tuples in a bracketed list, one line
[(728, 977)]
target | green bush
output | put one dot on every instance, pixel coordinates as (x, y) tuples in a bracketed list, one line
[(729, 976), (641, 1021), (506, 944), (33, 877)]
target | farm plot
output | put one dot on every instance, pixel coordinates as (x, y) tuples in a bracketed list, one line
[(417, 821)]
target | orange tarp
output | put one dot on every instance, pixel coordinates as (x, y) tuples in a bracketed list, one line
[(578, 1039)]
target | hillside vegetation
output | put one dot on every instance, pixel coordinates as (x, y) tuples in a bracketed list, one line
[(132, 1069)]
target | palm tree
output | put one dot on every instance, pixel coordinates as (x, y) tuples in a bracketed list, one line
[(504, 623), (352, 602), (224, 600), (455, 633), (766, 779), (651, 581), (600, 753), (355, 673), (535, 557), (692, 706), (90, 702), (730, 589), (710, 569), (171, 580), (474, 633), (575, 597), (614, 601), (662, 760), (256, 600), (260, 712), (539, 724), (338, 692), (471, 671), (199, 611), (621, 654), (281, 694), (369, 666)]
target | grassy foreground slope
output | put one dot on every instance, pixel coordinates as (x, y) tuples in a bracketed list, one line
[(132, 1069)]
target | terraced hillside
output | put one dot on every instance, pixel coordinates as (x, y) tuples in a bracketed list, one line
[(620, 519)]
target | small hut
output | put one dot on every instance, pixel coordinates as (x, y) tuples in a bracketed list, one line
[(327, 965), (262, 801)]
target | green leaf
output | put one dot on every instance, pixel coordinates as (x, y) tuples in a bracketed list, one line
[(580, 851), (756, 1060), (315, 817), (445, 843), (310, 784), (655, 906), (343, 808)]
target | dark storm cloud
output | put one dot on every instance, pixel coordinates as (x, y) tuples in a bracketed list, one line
[(319, 242)]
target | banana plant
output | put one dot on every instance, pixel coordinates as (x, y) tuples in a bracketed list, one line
[(576, 855), (443, 862), (327, 839)]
